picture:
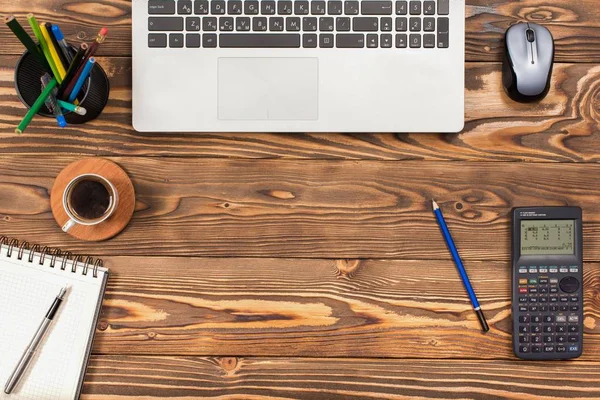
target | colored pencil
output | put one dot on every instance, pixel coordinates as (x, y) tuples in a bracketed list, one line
[(45, 50), (62, 43), (27, 41), (57, 62), (36, 106), (90, 53), (459, 265), (72, 107), (82, 78), (59, 52), (56, 110), (73, 68)]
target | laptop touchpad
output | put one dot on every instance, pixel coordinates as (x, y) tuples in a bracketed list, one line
[(268, 89)]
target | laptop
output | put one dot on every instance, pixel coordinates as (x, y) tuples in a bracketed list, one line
[(298, 66)]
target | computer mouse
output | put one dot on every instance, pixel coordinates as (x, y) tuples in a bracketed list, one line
[(528, 61)]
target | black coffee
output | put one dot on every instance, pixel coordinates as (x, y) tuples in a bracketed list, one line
[(90, 199)]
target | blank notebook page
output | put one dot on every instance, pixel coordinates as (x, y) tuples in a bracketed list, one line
[(26, 292)]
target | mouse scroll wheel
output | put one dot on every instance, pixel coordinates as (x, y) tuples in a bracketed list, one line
[(530, 35)]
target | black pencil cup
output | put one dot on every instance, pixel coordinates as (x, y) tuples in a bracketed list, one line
[(93, 96)]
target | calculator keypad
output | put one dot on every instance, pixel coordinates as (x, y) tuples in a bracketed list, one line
[(549, 310)]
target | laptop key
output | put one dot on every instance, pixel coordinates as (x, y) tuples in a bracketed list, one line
[(429, 41), (209, 24), (386, 40), (401, 24), (192, 40), (415, 7), (217, 7), (209, 40), (377, 8), (401, 40), (292, 24), (165, 24), (334, 7), (201, 7), (267, 7), (309, 40), (301, 7), (386, 24), (415, 41), (259, 24), (442, 32), (365, 24), (276, 24), (161, 7), (258, 40), (326, 24), (342, 24), (326, 40), (158, 40), (401, 7), (251, 7), (429, 26), (226, 24), (351, 7), (317, 7), (443, 7), (349, 40), (284, 7), (242, 24), (184, 7), (309, 24), (429, 8), (192, 24), (176, 40), (234, 7), (415, 24), (372, 41)]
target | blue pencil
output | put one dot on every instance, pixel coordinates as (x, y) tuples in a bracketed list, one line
[(84, 75), (459, 265)]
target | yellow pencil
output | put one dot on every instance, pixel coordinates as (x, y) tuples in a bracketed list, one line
[(59, 66)]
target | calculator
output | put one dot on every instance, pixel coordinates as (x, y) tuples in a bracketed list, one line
[(547, 282)]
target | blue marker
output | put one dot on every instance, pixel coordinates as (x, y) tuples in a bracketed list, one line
[(459, 265), (82, 78)]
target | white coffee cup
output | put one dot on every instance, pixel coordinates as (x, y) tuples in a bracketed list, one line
[(89, 200)]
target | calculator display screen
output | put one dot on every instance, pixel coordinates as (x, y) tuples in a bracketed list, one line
[(548, 237)]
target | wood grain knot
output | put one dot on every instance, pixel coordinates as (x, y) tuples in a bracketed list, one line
[(102, 325), (278, 194), (548, 13), (151, 335), (229, 364), (346, 268)]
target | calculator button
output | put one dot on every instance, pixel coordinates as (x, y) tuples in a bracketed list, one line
[(548, 319), (563, 270), (553, 270), (573, 318), (533, 308), (523, 339), (573, 329), (564, 308), (522, 270), (574, 308), (536, 349), (522, 299), (524, 319), (536, 339), (522, 281), (574, 299), (560, 328), (536, 329), (522, 308), (553, 290), (533, 270), (523, 329), (543, 281), (543, 308), (573, 349), (548, 339), (547, 328), (524, 349), (533, 290), (543, 290), (522, 290), (561, 339), (553, 281), (543, 299), (569, 284), (548, 349), (553, 299), (533, 281), (543, 270), (564, 299), (553, 308), (536, 319), (561, 349), (573, 270), (573, 339), (533, 299), (561, 318)]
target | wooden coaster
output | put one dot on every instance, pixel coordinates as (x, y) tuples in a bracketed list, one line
[(115, 174)]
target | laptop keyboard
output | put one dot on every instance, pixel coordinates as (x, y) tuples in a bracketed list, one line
[(298, 24)]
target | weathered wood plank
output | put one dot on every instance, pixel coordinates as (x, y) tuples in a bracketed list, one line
[(574, 24), (564, 127), (316, 209), (314, 308), (336, 379)]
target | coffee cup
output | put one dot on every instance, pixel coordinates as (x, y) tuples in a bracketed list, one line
[(89, 200)]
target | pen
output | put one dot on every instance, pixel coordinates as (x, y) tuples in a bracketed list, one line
[(34, 344), (54, 108), (61, 56), (459, 265), (62, 43), (57, 62), (36, 106), (45, 50), (82, 78)]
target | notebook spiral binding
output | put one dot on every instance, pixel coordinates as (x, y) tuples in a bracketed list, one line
[(55, 254)]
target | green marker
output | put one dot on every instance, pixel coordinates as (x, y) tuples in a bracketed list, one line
[(38, 34), (36, 106)]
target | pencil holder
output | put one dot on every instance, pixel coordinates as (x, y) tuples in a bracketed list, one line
[(93, 96)]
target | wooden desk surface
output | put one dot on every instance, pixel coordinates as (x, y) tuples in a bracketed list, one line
[(310, 265)]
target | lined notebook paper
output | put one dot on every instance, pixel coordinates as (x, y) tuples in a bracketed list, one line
[(27, 289)]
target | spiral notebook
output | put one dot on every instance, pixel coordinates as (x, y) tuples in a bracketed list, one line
[(30, 279)]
